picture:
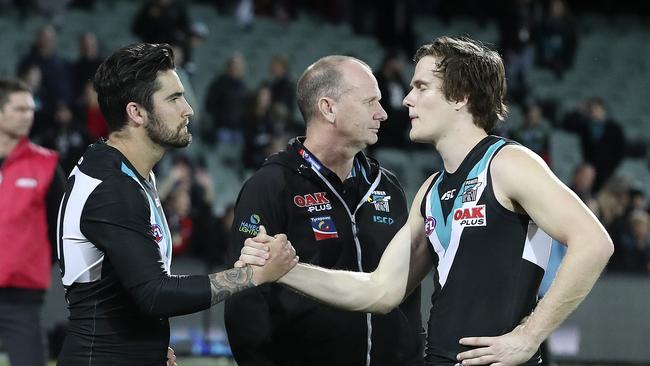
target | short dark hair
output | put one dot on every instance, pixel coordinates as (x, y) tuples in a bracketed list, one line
[(130, 75), (322, 79), (468, 68), (10, 86)]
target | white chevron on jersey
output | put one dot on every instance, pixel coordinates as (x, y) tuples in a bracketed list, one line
[(537, 249), (83, 261)]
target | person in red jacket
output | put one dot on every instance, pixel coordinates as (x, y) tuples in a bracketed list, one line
[(31, 185)]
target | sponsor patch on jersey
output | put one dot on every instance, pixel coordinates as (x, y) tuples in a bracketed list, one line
[(471, 216), (314, 202), (429, 225), (448, 195), (470, 190), (157, 232), (380, 200), (26, 183), (383, 219), (323, 228), (252, 226)]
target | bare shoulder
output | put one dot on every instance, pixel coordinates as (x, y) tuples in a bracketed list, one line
[(519, 166), (517, 173), (425, 187)]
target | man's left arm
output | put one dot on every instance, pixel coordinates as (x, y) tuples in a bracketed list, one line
[(52, 201), (557, 211)]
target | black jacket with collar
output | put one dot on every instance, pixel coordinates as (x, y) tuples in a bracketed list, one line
[(272, 325)]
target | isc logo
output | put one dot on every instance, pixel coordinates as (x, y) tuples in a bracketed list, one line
[(471, 216)]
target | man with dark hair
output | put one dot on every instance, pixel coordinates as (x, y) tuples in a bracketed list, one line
[(481, 224), (31, 186), (114, 242), (342, 207)]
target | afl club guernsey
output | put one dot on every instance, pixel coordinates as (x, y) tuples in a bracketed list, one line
[(114, 250), (489, 260)]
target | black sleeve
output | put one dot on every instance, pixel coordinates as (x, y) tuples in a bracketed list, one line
[(116, 220), (247, 315), (52, 202)]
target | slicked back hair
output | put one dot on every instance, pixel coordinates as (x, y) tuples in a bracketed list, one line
[(130, 75), (10, 86), (323, 78), (468, 68)]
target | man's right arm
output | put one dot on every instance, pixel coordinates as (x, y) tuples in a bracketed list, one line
[(402, 267), (118, 224)]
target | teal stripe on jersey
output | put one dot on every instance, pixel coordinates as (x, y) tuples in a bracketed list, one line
[(482, 164), (443, 227), (163, 223)]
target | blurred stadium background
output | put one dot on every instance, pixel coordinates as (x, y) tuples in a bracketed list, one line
[(579, 79)]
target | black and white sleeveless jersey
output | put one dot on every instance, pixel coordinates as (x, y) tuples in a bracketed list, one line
[(489, 260), (114, 251)]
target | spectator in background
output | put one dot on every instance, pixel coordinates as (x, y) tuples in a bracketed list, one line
[(516, 19), (85, 66), (393, 89), (55, 70), (31, 75), (32, 185), (534, 132), (282, 87), (257, 128), (67, 136), (187, 193), (283, 127), (556, 38), (582, 182), (601, 138), (178, 208), (225, 103), (634, 245), (638, 199), (613, 202), (92, 116), (164, 21)]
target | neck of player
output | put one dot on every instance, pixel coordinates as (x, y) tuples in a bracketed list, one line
[(335, 156), (143, 154), (457, 142)]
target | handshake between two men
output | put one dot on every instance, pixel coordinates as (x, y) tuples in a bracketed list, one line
[(270, 256)]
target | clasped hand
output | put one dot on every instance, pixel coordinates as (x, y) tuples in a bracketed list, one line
[(270, 256)]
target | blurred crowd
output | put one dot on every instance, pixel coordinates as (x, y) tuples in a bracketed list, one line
[(247, 123)]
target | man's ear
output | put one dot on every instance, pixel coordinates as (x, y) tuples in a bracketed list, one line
[(461, 103), (327, 107), (136, 113)]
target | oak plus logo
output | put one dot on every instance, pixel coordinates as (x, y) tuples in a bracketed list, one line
[(314, 202), (471, 216)]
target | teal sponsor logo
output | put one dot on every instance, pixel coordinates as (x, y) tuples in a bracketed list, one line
[(383, 220), (255, 219)]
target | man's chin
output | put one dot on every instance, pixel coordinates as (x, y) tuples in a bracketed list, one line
[(179, 144)]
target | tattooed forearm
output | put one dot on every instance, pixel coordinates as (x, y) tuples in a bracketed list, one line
[(226, 283)]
